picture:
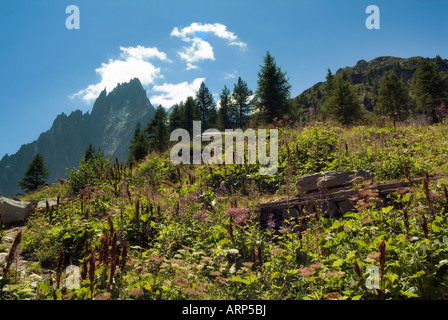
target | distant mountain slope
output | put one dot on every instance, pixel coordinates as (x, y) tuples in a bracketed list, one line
[(365, 76), (109, 127)]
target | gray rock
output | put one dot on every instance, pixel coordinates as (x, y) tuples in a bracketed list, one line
[(12, 211), (331, 179), (42, 204)]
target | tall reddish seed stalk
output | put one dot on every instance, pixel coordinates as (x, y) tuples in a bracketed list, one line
[(357, 269), (424, 224), (382, 252), (113, 260), (428, 196), (12, 253), (92, 272), (407, 173), (124, 254), (59, 264), (406, 222)]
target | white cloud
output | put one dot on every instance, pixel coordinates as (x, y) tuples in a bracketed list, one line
[(200, 49), (230, 75), (142, 53), (133, 63), (175, 93)]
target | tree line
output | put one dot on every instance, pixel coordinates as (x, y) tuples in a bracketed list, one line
[(236, 108)]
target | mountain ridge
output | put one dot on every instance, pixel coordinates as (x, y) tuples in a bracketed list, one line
[(109, 127)]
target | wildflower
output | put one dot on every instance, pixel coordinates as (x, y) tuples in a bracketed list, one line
[(373, 257), (271, 222), (201, 216), (104, 296), (306, 271), (136, 292), (181, 282), (221, 280), (332, 295), (277, 251)]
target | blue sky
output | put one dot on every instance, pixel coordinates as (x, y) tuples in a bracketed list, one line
[(47, 69)]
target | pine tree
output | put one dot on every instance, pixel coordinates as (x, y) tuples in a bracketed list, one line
[(139, 148), (393, 97), (175, 118), (35, 174), (241, 106), (342, 104), (190, 113), (273, 90), (429, 87), (224, 121), (89, 153), (204, 100), (157, 130)]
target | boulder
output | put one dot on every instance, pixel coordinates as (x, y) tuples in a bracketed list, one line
[(42, 204), (331, 179), (13, 211)]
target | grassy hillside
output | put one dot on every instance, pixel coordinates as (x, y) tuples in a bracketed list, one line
[(157, 231)]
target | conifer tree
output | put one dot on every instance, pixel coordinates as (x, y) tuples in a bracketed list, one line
[(157, 131), (175, 118), (35, 174), (139, 148), (204, 100), (342, 103), (429, 87), (224, 121), (89, 153), (273, 90), (241, 103), (190, 113), (393, 97)]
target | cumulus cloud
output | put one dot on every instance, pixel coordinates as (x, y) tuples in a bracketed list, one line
[(133, 63), (175, 93), (197, 35)]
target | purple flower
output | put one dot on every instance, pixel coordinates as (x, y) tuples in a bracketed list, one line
[(239, 214)]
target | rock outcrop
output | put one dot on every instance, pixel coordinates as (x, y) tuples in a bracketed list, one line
[(331, 179), (13, 211)]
